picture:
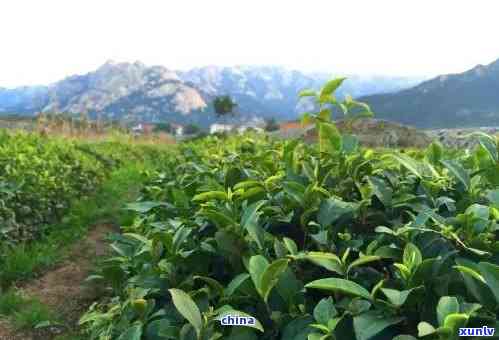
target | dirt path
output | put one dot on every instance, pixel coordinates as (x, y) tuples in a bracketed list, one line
[(62, 289)]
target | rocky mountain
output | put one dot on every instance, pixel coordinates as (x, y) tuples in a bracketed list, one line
[(129, 91), (455, 100), (269, 91), (136, 92)]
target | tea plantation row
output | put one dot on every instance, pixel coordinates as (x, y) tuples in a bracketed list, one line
[(41, 176), (347, 243)]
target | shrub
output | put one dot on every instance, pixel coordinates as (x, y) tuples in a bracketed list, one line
[(327, 241)]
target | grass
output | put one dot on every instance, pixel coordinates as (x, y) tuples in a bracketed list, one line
[(24, 313), (10, 302), (26, 261)]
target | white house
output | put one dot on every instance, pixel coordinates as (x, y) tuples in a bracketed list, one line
[(243, 128), (137, 128), (176, 129), (221, 128)]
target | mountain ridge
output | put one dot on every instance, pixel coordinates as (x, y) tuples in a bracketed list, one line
[(137, 92), (466, 99)]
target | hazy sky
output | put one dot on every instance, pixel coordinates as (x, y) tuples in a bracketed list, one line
[(45, 40)]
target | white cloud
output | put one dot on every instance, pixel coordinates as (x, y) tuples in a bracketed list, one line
[(43, 41)]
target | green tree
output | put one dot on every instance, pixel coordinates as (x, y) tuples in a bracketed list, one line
[(271, 125), (163, 127), (191, 129), (224, 106)]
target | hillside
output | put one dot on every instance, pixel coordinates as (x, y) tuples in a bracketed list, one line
[(136, 92), (26, 99), (370, 132), (456, 100)]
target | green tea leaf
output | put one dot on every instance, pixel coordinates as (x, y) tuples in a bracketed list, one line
[(340, 285), (298, 329), (326, 260), (490, 272), (325, 115), (132, 333), (329, 138), (489, 143), (397, 297), (458, 171), (307, 93), (220, 219), (235, 284), (143, 207), (363, 260), (493, 197), (290, 245), (412, 256), (454, 322), (138, 237), (331, 86), (187, 308), (470, 272), (210, 195), (295, 190), (325, 311), (333, 209), (409, 163), (249, 222), (271, 275), (350, 144), (446, 305), (424, 329), (479, 290), (214, 284), (257, 266), (435, 152), (382, 191), (369, 324)]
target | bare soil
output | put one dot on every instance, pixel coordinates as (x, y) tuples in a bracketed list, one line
[(63, 289)]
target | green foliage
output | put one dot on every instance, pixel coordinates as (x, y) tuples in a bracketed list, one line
[(91, 180), (271, 125), (24, 313), (314, 241), (191, 129), (163, 127), (224, 105), (330, 140)]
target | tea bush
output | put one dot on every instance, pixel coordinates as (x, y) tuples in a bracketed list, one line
[(41, 176), (327, 241)]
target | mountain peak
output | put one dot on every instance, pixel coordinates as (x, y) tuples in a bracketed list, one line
[(110, 62), (134, 91)]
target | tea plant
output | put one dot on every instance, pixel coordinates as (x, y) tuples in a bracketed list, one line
[(40, 177), (327, 241)]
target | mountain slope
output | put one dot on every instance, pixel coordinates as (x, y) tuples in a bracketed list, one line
[(125, 91), (273, 91), (136, 92), (457, 100), (23, 100)]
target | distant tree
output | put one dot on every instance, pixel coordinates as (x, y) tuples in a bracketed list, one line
[(163, 127), (224, 106), (191, 129), (271, 125)]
